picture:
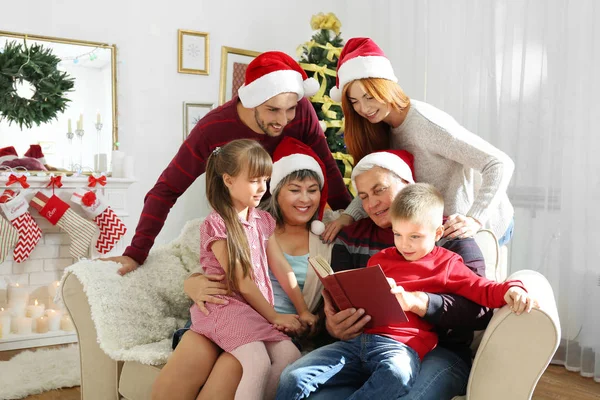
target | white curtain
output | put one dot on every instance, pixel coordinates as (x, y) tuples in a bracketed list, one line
[(524, 75)]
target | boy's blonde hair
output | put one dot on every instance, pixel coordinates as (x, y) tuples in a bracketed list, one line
[(419, 203)]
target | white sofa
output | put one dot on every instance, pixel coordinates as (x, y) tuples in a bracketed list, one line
[(513, 352)]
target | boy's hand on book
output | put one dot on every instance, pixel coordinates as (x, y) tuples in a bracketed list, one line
[(346, 324), (287, 323), (309, 321), (519, 300)]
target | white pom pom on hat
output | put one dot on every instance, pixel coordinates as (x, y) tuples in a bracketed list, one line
[(272, 73), (360, 58)]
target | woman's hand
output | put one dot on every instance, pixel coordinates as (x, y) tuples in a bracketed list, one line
[(309, 322), (334, 227), (346, 324), (287, 323), (128, 263), (460, 227), (201, 288)]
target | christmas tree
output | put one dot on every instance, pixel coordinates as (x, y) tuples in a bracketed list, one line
[(319, 58)]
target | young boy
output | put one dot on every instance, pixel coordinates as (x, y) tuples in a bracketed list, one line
[(386, 354)]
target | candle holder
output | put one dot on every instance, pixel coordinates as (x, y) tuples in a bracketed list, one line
[(97, 163), (80, 133), (70, 136)]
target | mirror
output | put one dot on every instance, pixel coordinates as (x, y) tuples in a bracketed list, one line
[(92, 105)]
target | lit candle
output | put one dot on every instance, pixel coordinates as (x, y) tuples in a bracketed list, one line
[(41, 324), (98, 119), (23, 325), (53, 319), (4, 323), (69, 126), (66, 324), (15, 313), (18, 295), (35, 310)]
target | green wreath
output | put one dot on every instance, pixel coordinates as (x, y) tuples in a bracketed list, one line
[(35, 64)]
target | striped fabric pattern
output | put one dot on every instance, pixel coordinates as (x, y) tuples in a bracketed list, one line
[(29, 236), (8, 238), (81, 232), (111, 230)]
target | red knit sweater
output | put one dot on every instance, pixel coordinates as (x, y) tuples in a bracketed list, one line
[(217, 128), (441, 271)]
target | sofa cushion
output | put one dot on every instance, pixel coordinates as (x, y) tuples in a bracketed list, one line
[(137, 379)]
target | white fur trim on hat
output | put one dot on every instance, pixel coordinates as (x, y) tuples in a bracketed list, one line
[(270, 85), (389, 161), (7, 158), (360, 68), (294, 162)]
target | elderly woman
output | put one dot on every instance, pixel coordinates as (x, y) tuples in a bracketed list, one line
[(299, 193)]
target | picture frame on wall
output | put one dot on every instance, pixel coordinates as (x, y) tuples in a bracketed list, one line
[(192, 113), (233, 70), (193, 52)]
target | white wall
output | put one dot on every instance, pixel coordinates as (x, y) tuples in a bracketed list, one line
[(151, 92)]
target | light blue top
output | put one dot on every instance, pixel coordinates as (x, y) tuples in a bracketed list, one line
[(299, 265)]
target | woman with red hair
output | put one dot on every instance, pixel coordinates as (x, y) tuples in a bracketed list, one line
[(379, 116)]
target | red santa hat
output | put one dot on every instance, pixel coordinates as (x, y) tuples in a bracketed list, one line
[(35, 151), (400, 162), (7, 154), (360, 58), (273, 73), (292, 155)]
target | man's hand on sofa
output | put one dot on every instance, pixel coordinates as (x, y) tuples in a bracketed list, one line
[(201, 288), (346, 324), (128, 263)]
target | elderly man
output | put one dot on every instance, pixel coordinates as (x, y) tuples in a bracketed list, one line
[(444, 371)]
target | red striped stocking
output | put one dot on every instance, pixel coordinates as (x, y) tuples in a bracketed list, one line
[(59, 213), (30, 233), (111, 227)]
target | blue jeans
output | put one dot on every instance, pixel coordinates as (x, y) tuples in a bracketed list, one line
[(443, 375), (368, 363)]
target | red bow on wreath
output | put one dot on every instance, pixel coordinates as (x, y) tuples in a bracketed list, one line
[(92, 181), (21, 179)]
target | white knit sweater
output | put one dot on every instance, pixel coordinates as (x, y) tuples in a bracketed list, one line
[(471, 174)]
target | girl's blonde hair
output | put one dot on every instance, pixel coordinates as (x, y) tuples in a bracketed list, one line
[(232, 159), (361, 136)]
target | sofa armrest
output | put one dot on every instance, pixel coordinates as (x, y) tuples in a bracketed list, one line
[(99, 373), (515, 350)]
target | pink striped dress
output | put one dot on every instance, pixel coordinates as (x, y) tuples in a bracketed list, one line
[(237, 323)]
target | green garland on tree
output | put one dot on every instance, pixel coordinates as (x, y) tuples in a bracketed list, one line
[(32, 89), (319, 58)]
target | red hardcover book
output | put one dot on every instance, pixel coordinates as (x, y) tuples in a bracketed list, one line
[(365, 288)]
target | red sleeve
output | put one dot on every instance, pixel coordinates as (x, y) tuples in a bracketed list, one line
[(464, 282), (188, 164), (338, 196)]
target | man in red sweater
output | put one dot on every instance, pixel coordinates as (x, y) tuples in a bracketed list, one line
[(269, 107), (385, 354)]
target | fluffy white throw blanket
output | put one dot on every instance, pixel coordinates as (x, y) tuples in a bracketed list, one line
[(135, 315)]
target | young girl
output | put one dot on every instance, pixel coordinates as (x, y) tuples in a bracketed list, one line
[(380, 116), (237, 240)]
